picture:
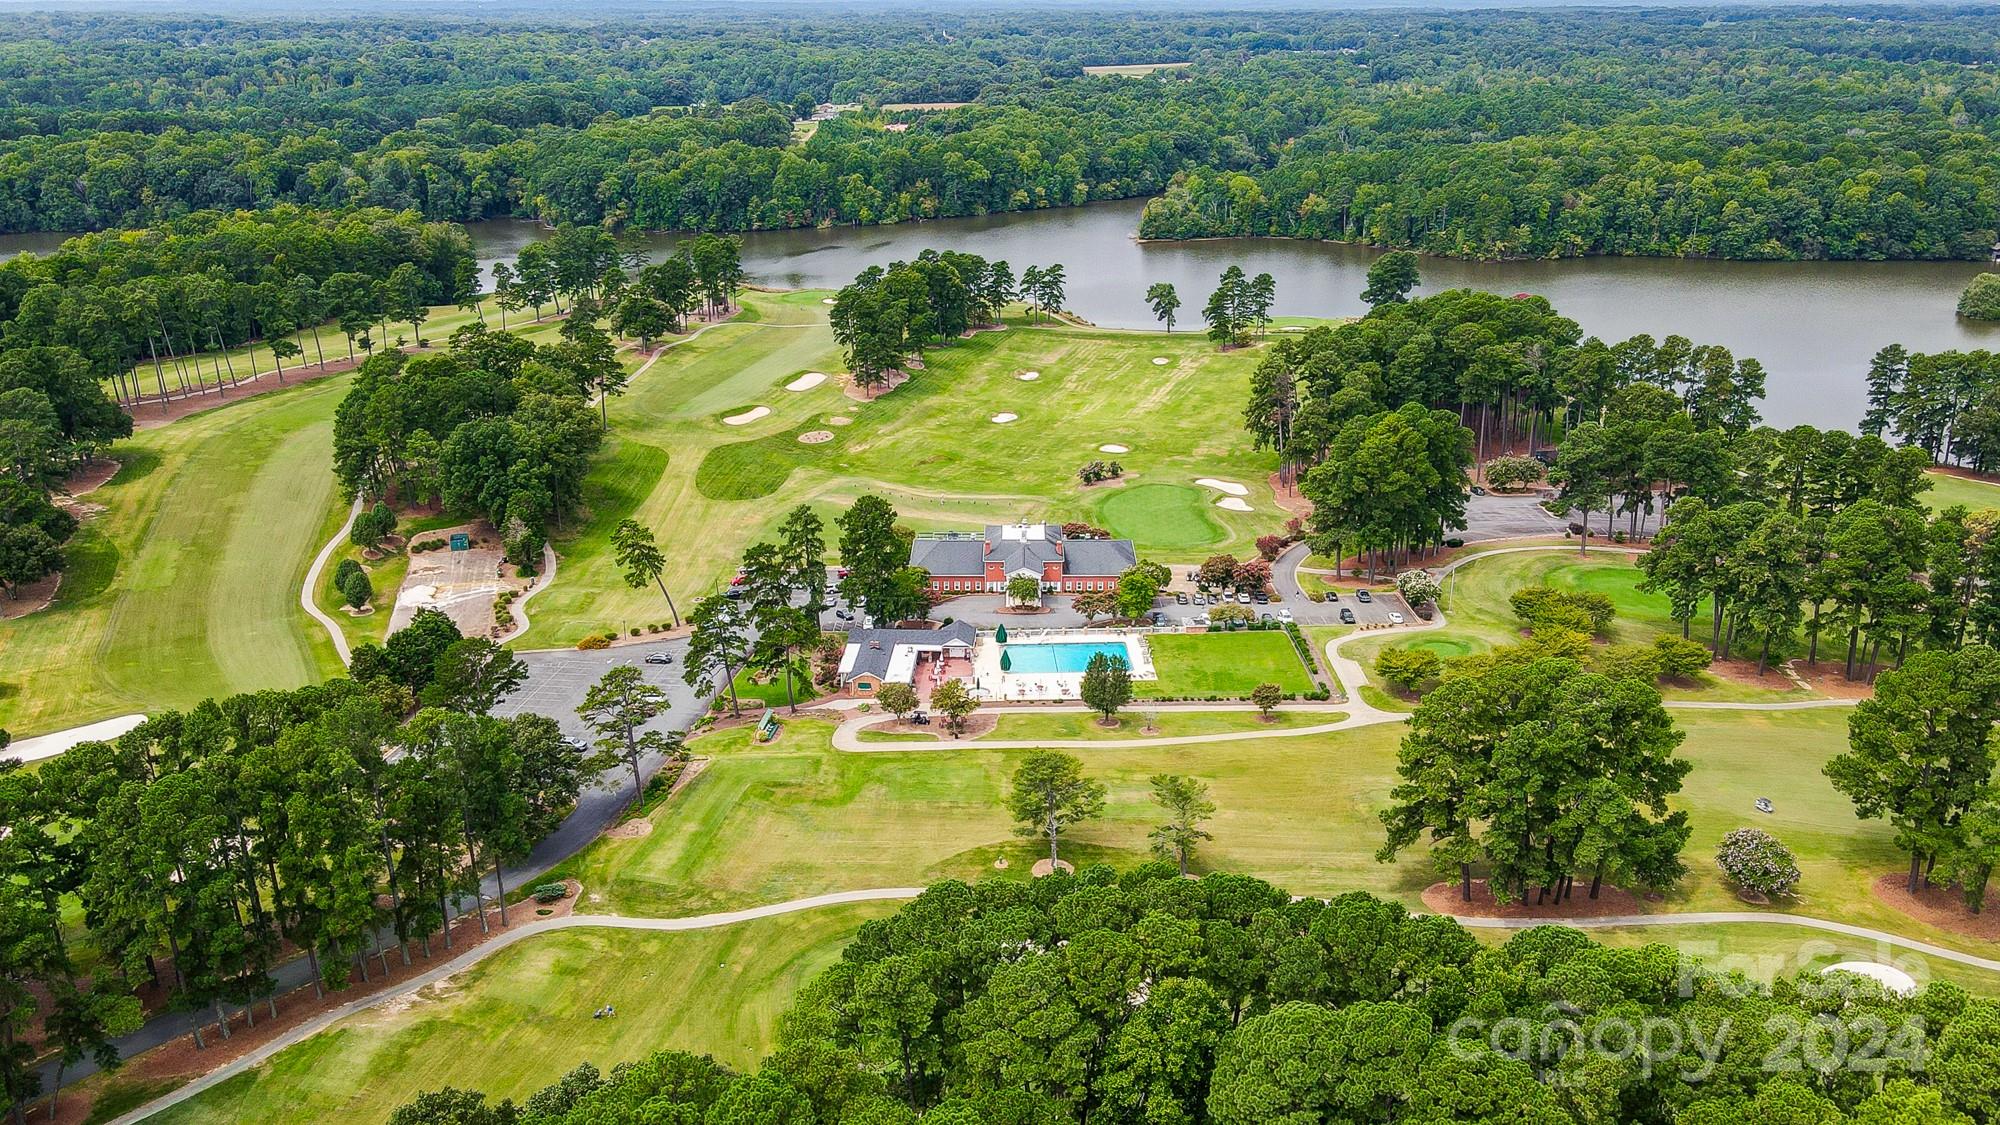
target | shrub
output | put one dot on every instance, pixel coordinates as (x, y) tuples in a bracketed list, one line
[(1543, 607), (1981, 299), (1754, 860), (1628, 662), (355, 588), (550, 892), (1408, 668), (1454, 541), (1512, 472), (635, 630), (340, 573), (1267, 697), (1680, 658), (593, 642), (1269, 547), (1228, 615), (1419, 587)]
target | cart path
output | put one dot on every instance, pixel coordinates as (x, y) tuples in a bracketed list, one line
[(895, 894), (484, 950), (306, 600)]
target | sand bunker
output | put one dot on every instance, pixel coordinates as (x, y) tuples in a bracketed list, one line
[(1114, 449), (1231, 487), (807, 381), (1233, 504), (1160, 361), (826, 300), (1028, 376), (747, 417), (1004, 417), (839, 420), (815, 437)]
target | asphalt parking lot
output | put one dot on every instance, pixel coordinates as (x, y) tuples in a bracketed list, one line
[(558, 679)]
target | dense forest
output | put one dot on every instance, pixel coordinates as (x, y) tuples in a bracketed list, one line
[(1151, 998), (1737, 133)]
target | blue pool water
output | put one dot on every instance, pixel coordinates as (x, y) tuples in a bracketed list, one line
[(1075, 657)]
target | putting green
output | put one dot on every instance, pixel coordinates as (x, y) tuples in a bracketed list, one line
[(1171, 517)]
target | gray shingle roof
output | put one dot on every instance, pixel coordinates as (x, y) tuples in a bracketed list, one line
[(869, 650), (1020, 547)]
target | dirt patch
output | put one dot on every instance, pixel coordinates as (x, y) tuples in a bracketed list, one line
[(1044, 867), (634, 829), (150, 412), (92, 476), (815, 437), (894, 378), (1828, 677), (976, 726), (839, 420), (1745, 672), (1288, 498), (30, 597), (461, 584), (1938, 906), (1444, 898)]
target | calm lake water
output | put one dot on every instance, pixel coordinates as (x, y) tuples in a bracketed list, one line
[(1814, 325)]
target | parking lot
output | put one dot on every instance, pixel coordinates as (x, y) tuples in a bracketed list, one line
[(558, 679)]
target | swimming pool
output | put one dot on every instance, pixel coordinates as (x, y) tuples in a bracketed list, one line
[(1060, 657)]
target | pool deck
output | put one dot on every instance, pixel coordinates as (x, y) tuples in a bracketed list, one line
[(990, 683)]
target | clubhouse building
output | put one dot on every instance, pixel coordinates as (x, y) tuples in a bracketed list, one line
[(922, 658), (964, 563)]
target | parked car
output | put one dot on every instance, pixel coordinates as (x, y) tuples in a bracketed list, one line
[(1478, 491), (737, 581), (658, 658), (1363, 596), (1284, 613), (921, 718), (734, 591), (1159, 617), (844, 614), (1346, 616), (1200, 599), (1180, 597), (1261, 598), (1395, 618), (1242, 598), (1265, 616), (1199, 620), (840, 572)]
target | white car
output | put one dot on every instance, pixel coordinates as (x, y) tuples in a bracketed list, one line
[(1395, 618), (1199, 621), (1284, 613)]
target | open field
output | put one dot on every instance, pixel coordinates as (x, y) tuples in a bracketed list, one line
[(1475, 603), (186, 585), (1947, 490), (1222, 665), (795, 818), (516, 1022), (1134, 68), (710, 489)]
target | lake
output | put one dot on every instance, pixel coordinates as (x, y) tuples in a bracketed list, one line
[(1814, 325)]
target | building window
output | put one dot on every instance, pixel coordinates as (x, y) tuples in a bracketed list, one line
[(863, 685)]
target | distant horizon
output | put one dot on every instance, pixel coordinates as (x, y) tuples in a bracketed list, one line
[(628, 9)]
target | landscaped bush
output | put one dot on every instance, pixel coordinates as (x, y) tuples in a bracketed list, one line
[(1419, 587), (593, 642), (1754, 860), (1544, 607), (1454, 541), (550, 892), (355, 588), (1682, 659), (1408, 668), (1513, 471)]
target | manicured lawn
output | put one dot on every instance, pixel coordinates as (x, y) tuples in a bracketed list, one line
[(1481, 619), (1065, 726), (709, 489), (1175, 517), (186, 586), (1222, 665), (772, 694), (517, 1021), (793, 818), (1947, 490)]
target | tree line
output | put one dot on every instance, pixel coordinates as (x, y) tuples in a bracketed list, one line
[(885, 317), (1148, 997), (1630, 133), (350, 821)]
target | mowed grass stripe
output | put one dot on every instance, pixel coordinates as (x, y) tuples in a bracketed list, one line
[(186, 585)]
